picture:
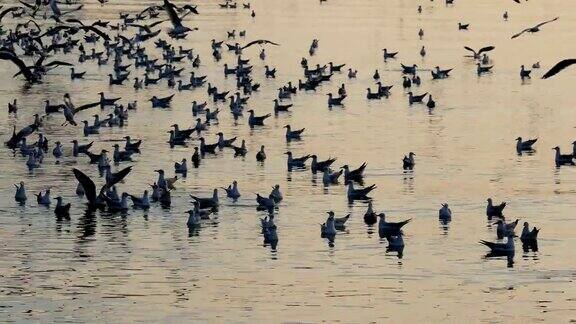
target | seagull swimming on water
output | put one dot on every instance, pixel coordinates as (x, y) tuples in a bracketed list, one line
[(359, 194), (445, 213), (494, 211), (524, 145)]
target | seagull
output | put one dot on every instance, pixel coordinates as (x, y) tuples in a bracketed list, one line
[(259, 42), (20, 195), (193, 219), (78, 148), (269, 232), (501, 248), (492, 210), (43, 199), (256, 120), (178, 29), (339, 222), (352, 73), (196, 158), (330, 177), (296, 162), (180, 167), (504, 229), (320, 165), (275, 194), (328, 229), (358, 194), (261, 155), (207, 148), (61, 210), (224, 142), (524, 73), (388, 55), (335, 101), (563, 159), (161, 102), (141, 202), (120, 156), (478, 54), (293, 134), (409, 69), (232, 190), (207, 203), (94, 198), (280, 108), (527, 234), (430, 103), (534, 29), (354, 175), (416, 98), (445, 213), (482, 69), (265, 203), (390, 228), (57, 150), (408, 161), (370, 217), (240, 150), (524, 145)]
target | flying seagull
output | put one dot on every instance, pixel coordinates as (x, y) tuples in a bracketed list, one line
[(483, 49), (534, 29), (259, 42)]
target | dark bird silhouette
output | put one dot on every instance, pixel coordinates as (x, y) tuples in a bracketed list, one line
[(94, 199), (558, 67), (494, 211), (480, 51), (27, 72), (259, 42), (534, 29)]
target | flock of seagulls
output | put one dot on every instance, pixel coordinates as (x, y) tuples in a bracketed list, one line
[(31, 48)]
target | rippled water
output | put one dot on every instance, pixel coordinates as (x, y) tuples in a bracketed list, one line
[(146, 266)]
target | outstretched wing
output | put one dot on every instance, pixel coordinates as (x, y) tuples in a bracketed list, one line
[(5, 12), (58, 63), (29, 6), (87, 184), (146, 28), (74, 20), (156, 23), (520, 33), (119, 176), (470, 49), (191, 8), (486, 49), (87, 106), (97, 31), (547, 21), (176, 22), (259, 41), (559, 67), (7, 55)]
